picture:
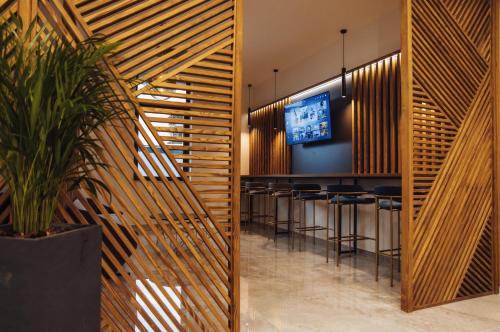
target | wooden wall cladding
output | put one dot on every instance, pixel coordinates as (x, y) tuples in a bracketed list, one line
[(269, 153), (170, 250), (376, 105), (449, 217)]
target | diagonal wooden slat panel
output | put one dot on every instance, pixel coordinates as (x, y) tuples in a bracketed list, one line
[(467, 163), (170, 230), (474, 18), (479, 274), (450, 218)]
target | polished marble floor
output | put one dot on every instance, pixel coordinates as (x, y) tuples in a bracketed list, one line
[(284, 290)]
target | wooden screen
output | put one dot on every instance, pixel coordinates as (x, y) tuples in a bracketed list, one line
[(376, 107), (269, 153), (170, 249), (449, 218)]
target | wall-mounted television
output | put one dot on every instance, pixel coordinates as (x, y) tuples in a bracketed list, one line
[(308, 120)]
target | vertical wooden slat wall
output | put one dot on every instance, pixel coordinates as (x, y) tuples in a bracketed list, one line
[(171, 249), (376, 107), (269, 153), (449, 216)]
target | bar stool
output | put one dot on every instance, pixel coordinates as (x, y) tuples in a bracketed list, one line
[(254, 189), (304, 192), (275, 192), (339, 195), (387, 198)]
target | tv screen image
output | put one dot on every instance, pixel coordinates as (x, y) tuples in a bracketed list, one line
[(308, 120)]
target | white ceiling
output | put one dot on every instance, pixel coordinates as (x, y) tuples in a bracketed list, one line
[(280, 33)]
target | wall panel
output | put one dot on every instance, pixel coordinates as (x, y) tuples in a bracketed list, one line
[(376, 105), (171, 228), (449, 217), (269, 153)]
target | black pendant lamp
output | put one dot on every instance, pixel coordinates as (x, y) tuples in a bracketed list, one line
[(344, 71), (275, 109), (249, 119)]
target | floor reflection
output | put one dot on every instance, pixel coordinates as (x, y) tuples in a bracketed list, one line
[(284, 290)]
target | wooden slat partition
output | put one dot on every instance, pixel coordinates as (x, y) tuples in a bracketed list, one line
[(171, 248), (376, 106), (269, 153), (449, 218)]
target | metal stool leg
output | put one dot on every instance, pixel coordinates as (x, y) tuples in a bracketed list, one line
[(289, 215), (314, 223), (350, 230), (275, 219), (303, 223), (293, 224), (399, 241), (392, 246), (327, 230), (338, 232), (377, 241), (250, 212)]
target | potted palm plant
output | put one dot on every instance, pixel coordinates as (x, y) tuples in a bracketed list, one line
[(54, 95)]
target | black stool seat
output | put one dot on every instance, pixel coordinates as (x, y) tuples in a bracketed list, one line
[(282, 194), (307, 192), (257, 192), (353, 200), (312, 196), (386, 205)]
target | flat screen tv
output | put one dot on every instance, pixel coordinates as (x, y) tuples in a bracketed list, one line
[(308, 120)]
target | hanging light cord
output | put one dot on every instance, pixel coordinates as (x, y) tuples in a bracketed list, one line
[(343, 50), (275, 73), (249, 98)]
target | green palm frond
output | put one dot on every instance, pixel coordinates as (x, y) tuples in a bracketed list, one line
[(53, 97)]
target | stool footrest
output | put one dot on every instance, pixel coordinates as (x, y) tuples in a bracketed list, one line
[(387, 252), (311, 228), (345, 238)]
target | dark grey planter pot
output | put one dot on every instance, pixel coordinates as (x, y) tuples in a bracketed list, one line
[(51, 283)]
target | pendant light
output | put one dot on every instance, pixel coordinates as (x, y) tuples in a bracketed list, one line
[(344, 83), (249, 119), (275, 109)]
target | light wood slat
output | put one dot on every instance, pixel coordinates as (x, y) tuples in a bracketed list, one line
[(192, 105), (450, 214), (207, 123), (114, 13), (188, 113), (191, 96), (93, 5), (194, 131), (196, 79), (195, 88)]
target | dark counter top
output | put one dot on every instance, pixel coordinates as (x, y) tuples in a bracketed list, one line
[(321, 176)]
